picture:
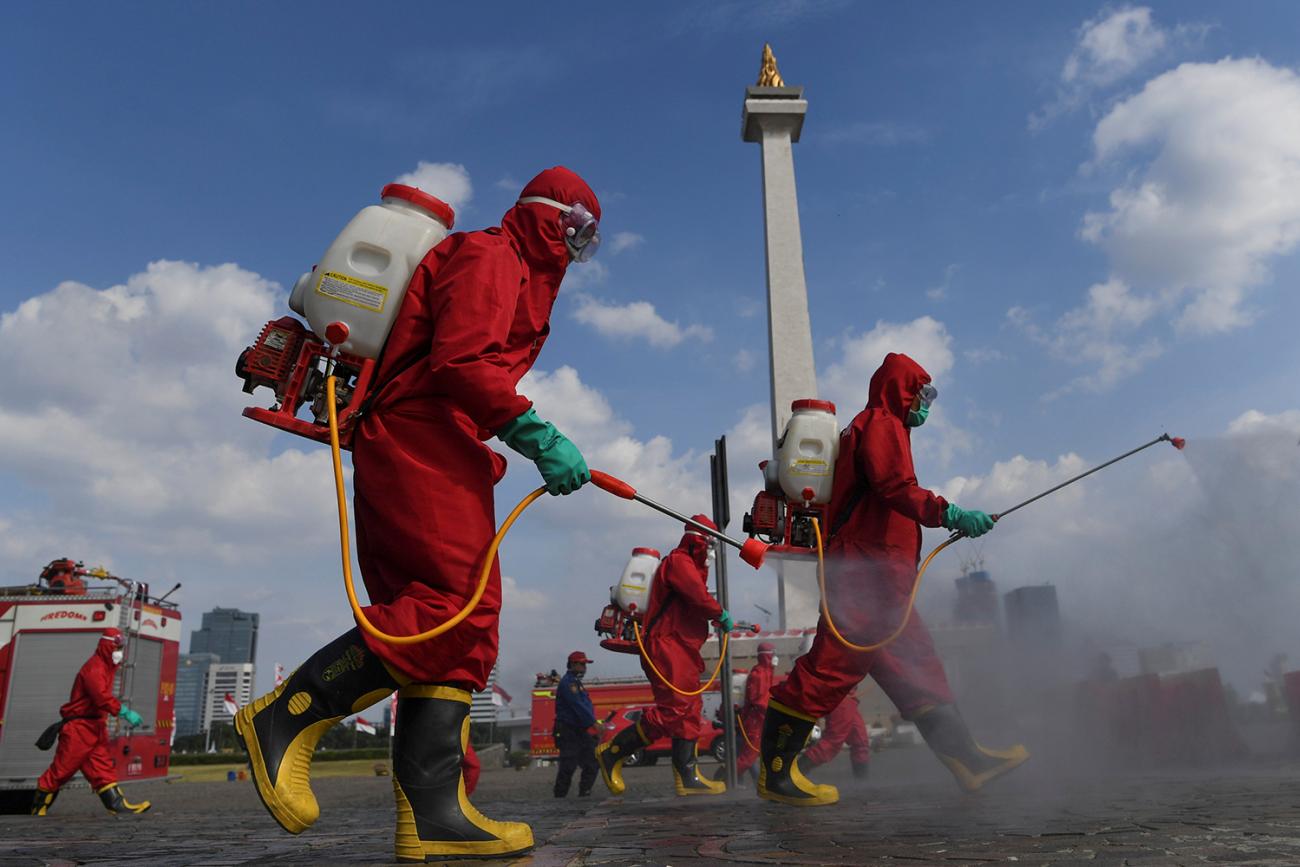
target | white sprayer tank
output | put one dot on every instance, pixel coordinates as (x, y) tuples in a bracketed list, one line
[(806, 458), (361, 279), (633, 588)]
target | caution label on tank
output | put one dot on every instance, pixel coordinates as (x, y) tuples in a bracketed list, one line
[(350, 290), (809, 467)]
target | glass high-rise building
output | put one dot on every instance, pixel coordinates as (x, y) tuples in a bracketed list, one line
[(192, 671), (229, 633)]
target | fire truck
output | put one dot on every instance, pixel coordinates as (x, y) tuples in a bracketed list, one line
[(48, 630), (613, 699)]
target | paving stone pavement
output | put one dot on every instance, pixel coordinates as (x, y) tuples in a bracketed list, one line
[(909, 813)]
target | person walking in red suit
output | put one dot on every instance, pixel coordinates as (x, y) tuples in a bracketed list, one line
[(83, 738), (758, 685), (843, 726), (475, 316), (877, 510), (676, 626)]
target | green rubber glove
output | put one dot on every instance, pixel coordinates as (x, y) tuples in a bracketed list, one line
[(132, 718), (558, 460), (973, 524), (725, 619)]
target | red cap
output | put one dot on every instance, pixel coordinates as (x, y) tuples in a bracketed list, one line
[(114, 635), (579, 656), (434, 205), (636, 552), (336, 333), (813, 404), (703, 519), (767, 647)]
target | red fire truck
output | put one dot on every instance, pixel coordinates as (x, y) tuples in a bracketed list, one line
[(47, 630), (616, 701)]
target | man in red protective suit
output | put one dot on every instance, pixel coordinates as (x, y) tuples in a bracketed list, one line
[(676, 626), (843, 726), (758, 684), (475, 316), (877, 510), (83, 739)]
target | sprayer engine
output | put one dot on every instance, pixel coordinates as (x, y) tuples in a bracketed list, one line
[(292, 361)]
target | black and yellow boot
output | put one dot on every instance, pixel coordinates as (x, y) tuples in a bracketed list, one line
[(435, 820), (117, 803), (861, 770), (611, 755), (280, 730), (785, 733), (972, 765), (42, 801), (686, 776)]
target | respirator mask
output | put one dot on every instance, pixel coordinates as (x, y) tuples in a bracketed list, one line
[(581, 228)]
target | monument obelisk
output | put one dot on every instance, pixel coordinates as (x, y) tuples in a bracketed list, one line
[(773, 118)]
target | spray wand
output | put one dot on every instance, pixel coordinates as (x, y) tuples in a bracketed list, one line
[(1176, 442)]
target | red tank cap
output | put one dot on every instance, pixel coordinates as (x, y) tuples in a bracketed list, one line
[(336, 333), (636, 552), (808, 494), (813, 404), (434, 205)]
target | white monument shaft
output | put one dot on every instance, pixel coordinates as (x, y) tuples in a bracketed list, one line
[(773, 119)]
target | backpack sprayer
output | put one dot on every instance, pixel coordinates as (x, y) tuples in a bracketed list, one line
[(1176, 442), (350, 301)]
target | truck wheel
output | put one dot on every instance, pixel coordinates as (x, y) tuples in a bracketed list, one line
[(636, 760), (718, 749)]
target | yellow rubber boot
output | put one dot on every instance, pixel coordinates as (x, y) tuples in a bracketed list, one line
[(435, 820), (686, 777), (611, 755), (280, 730), (117, 803), (785, 732), (42, 801), (972, 765)]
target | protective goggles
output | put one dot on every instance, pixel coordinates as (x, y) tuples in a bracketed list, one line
[(115, 640), (581, 228), (928, 393)]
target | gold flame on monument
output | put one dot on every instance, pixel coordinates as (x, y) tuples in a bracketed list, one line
[(768, 74)]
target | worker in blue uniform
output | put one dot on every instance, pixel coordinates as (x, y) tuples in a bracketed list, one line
[(575, 721)]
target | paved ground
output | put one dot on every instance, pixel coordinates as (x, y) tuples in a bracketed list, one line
[(909, 813)]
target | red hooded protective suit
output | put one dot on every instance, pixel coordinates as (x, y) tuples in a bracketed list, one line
[(83, 740), (758, 686), (676, 626), (843, 726), (871, 561), (474, 318)]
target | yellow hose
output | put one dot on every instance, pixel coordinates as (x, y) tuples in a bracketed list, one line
[(636, 630), (740, 724), (911, 600), (488, 559)]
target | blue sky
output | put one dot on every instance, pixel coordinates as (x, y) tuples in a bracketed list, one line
[(968, 175)]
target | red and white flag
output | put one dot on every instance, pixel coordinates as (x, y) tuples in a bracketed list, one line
[(363, 726), (231, 706), (279, 674), (392, 715), (500, 697)]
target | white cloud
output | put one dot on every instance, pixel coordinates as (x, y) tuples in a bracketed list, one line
[(582, 275), (940, 292), (635, 320), (509, 184), (124, 444), (623, 241), (1167, 546), (1113, 45), (743, 361), (1215, 193), (1110, 48), (448, 181), (925, 339)]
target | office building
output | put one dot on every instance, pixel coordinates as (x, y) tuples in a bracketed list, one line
[(229, 633), (191, 691)]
